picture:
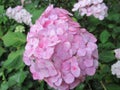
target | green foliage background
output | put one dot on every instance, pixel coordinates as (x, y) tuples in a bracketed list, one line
[(14, 75)]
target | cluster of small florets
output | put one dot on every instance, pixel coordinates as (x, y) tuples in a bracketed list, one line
[(115, 68), (91, 7), (19, 14), (117, 53), (59, 51)]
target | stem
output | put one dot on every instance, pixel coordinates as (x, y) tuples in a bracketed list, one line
[(103, 85), (89, 86)]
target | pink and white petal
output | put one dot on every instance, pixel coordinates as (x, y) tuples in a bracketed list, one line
[(64, 86), (92, 46), (75, 70), (81, 52), (35, 76), (90, 71), (60, 31), (49, 82), (51, 69), (67, 46), (47, 53), (26, 60), (44, 72), (58, 82), (88, 62), (65, 67), (69, 78)]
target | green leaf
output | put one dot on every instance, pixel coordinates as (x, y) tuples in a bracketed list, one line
[(18, 77), (117, 29), (98, 76), (42, 85), (91, 28), (4, 86), (107, 56), (113, 87), (113, 16), (77, 15), (105, 69), (1, 9), (80, 87), (14, 60), (2, 50), (111, 26), (107, 45), (74, 19), (104, 36), (36, 12), (94, 21), (1, 33), (14, 39)]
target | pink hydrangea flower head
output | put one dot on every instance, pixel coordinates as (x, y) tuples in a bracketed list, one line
[(91, 7), (59, 51)]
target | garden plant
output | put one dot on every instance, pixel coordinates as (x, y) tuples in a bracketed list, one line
[(59, 44)]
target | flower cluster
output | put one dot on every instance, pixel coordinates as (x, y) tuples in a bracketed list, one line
[(59, 51), (117, 53), (91, 7), (19, 14), (115, 68)]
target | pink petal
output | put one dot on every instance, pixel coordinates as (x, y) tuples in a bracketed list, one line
[(75, 70), (92, 46), (67, 46), (26, 60), (58, 83), (88, 62), (64, 86), (60, 31), (90, 71), (44, 72), (47, 53), (68, 78), (81, 52), (65, 67)]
